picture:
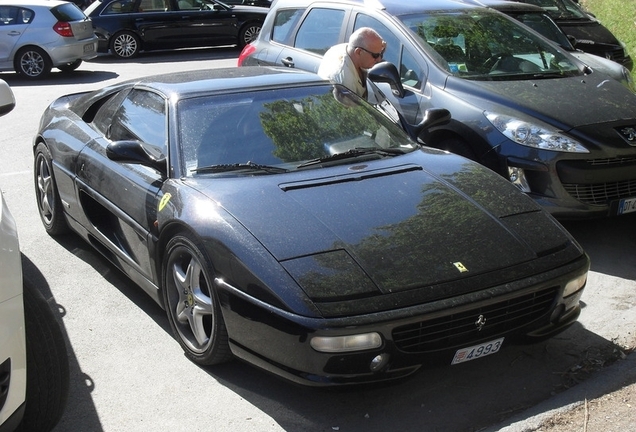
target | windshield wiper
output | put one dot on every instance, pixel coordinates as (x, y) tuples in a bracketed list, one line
[(353, 153), (238, 167)]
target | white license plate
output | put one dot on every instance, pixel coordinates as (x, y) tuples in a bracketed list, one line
[(477, 351), (89, 47), (627, 206)]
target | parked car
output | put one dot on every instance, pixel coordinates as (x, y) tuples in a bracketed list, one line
[(126, 27), (538, 19), (37, 35), (585, 30), (283, 220), (34, 372), (521, 105), (262, 3)]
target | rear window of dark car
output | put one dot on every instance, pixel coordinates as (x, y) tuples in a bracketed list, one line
[(68, 12)]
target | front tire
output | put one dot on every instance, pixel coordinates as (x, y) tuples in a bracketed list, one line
[(32, 62), (47, 364), (125, 45), (46, 194), (192, 304)]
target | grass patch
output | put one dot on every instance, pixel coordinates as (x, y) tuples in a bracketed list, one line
[(619, 16)]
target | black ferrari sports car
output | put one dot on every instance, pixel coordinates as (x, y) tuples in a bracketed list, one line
[(282, 220)]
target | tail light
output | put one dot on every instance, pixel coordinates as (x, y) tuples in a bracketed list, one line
[(63, 29), (245, 53)]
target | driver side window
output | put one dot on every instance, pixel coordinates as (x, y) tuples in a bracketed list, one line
[(141, 117), (410, 72)]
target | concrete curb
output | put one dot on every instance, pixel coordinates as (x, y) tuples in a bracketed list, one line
[(608, 380)]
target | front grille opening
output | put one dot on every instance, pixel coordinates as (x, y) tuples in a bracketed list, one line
[(460, 329), (603, 193)]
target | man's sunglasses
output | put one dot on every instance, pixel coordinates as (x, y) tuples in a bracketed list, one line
[(374, 55)]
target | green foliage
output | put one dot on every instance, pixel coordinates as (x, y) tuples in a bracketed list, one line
[(300, 128), (619, 16)]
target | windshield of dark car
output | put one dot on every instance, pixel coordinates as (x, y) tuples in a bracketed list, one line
[(283, 127), (561, 9), (483, 44)]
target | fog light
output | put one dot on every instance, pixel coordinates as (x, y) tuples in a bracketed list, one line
[(557, 313), (574, 285), (518, 178), (359, 342), (378, 362)]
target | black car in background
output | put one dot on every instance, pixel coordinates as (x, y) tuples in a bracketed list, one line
[(586, 31), (540, 21), (520, 104), (126, 27)]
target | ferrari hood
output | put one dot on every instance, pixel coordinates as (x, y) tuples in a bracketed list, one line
[(399, 225), (598, 99)]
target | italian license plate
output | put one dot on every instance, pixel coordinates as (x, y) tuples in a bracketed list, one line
[(89, 47), (477, 351), (627, 205)]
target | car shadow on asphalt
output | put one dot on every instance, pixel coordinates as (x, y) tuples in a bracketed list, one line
[(465, 397), (173, 56), (610, 243), (79, 404)]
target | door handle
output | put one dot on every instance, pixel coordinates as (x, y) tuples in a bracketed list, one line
[(288, 61)]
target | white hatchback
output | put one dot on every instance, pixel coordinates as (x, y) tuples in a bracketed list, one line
[(37, 35), (34, 369)]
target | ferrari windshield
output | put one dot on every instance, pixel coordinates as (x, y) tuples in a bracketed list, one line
[(482, 44), (270, 131)]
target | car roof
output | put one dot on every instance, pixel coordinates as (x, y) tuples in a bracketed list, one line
[(226, 80), (393, 7), (45, 3), (507, 6)]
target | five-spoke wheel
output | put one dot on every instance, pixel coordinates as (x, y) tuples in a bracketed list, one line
[(191, 302), (46, 194)]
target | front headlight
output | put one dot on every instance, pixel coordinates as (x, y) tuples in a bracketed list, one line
[(535, 135)]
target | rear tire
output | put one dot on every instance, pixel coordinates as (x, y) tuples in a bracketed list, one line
[(248, 34), (125, 45), (47, 364), (46, 193), (32, 63)]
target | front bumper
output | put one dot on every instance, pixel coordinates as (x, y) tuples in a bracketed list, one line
[(530, 309)]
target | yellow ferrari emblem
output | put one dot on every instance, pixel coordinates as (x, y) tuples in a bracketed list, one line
[(460, 267), (164, 201)]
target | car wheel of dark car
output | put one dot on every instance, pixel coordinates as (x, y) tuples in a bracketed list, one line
[(457, 146), (70, 67), (192, 304), (46, 194), (32, 62), (249, 32), (125, 45), (47, 363)]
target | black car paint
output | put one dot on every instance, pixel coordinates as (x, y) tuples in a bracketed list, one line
[(589, 34), (409, 217), (175, 28), (607, 108)]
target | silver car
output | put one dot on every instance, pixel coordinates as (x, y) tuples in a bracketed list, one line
[(37, 35)]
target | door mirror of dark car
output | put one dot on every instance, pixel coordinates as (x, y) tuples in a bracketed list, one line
[(572, 40), (386, 72), (7, 100), (137, 152)]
